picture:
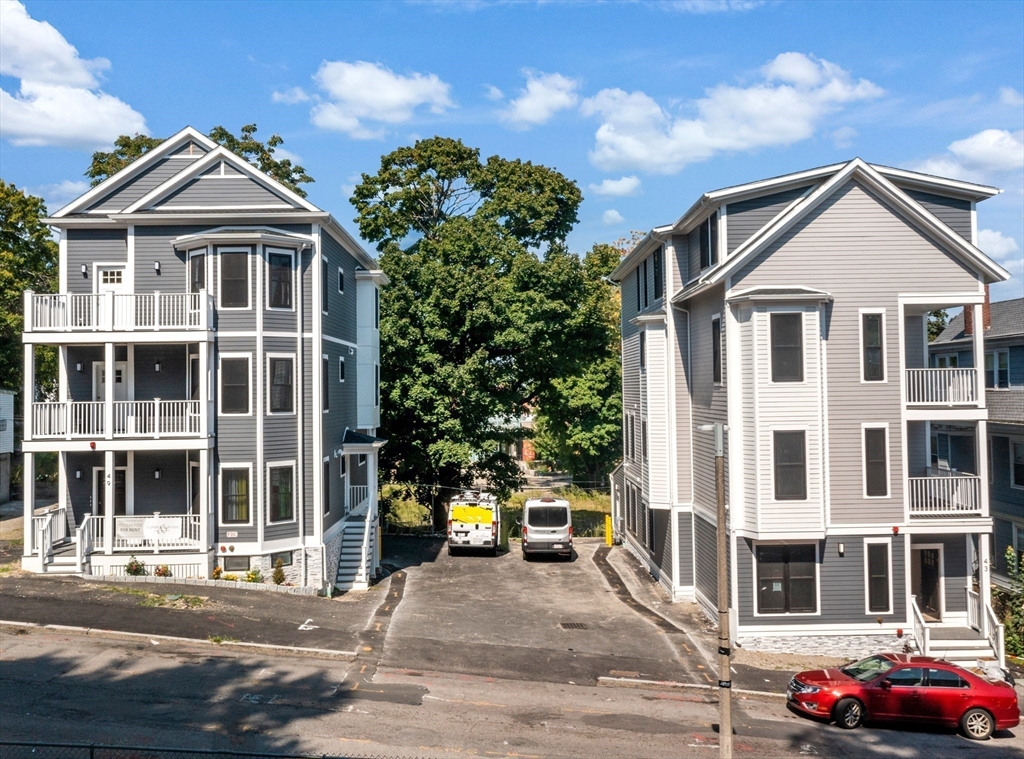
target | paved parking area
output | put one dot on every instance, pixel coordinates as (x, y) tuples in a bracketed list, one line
[(544, 620)]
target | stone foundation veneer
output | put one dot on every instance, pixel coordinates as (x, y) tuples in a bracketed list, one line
[(840, 646)]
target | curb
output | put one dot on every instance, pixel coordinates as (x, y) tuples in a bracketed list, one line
[(177, 639), (632, 682)]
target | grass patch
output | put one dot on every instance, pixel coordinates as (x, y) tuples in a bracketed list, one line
[(589, 508), (221, 639), (173, 601), (126, 591), (404, 512)]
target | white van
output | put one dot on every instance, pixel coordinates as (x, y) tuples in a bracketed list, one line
[(547, 527), (474, 521)]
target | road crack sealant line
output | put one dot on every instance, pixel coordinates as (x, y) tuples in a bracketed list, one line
[(620, 588), (269, 647)]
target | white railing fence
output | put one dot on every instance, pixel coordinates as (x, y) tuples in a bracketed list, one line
[(993, 630), (955, 495), (973, 609), (357, 495), (118, 311), (942, 386), (922, 633), (131, 418), (157, 532), (88, 538)]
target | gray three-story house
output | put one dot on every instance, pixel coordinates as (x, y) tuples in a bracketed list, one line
[(218, 395), (794, 310)]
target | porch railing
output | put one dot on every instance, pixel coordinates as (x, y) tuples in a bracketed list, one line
[(88, 538), (86, 419), (973, 609), (946, 387), (922, 633), (157, 532), (70, 312), (357, 495), (953, 495), (993, 630), (48, 530)]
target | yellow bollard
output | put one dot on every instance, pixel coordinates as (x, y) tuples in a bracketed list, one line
[(608, 529)]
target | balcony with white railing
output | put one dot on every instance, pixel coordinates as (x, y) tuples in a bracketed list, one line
[(153, 419), (118, 312), (942, 387), (945, 493)]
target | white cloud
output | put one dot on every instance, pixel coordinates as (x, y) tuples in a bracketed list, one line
[(797, 92), (544, 96), (978, 157), (58, 101), (363, 92), (493, 93), (617, 188), (611, 216), (291, 96), (60, 194), (993, 243), (281, 154), (843, 137), (713, 6), (1010, 96)]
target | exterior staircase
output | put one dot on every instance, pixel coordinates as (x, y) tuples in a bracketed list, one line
[(63, 560), (960, 645), (356, 557), (982, 640)]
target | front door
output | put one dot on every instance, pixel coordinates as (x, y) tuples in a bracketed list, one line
[(100, 381), (100, 491), (926, 577)]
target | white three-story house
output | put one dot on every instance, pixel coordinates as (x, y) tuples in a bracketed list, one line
[(218, 379)]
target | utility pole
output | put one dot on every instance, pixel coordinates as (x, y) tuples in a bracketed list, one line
[(724, 633)]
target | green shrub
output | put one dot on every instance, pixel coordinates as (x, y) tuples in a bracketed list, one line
[(162, 571), (217, 572), (278, 576), (230, 578), (1009, 604), (254, 575), (135, 568)]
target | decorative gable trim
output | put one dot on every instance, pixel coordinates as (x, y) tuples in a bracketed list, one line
[(108, 185)]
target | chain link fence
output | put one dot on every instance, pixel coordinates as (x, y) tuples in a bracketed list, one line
[(35, 750)]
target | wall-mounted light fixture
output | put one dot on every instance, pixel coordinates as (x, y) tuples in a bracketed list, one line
[(156, 266), (78, 474), (78, 366), (156, 474), (842, 549), (156, 366), (85, 270)]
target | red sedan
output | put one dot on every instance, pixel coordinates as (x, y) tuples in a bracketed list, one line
[(912, 688)]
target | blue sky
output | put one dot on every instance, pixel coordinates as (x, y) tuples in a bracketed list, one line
[(645, 105)]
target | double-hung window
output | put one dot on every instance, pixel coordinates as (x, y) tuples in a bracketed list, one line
[(997, 369), (341, 369), (639, 305), (1016, 464), (877, 569), (280, 285), (325, 486), (716, 350), (647, 294), (658, 274), (946, 361), (787, 347), (234, 385), (234, 279), (325, 382), (325, 288), (197, 270), (709, 242), (341, 280), (790, 466), (234, 496), (873, 359), (282, 494), (876, 464), (282, 385), (787, 579)]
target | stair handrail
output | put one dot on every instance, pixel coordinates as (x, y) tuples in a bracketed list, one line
[(365, 547), (996, 635), (44, 539), (922, 633), (83, 542)]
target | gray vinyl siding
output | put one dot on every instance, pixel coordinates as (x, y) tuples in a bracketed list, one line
[(86, 247), (141, 185), (709, 400), (223, 191), (917, 449), (310, 409), (746, 217), (863, 253), (79, 491), (955, 213), (169, 494), (685, 547), (154, 244), (340, 319), (683, 453), (693, 249), (190, 149), (631, 384), (308, 283), (915, 353), (841, 585), (681, 266), (705, 546), (663, 544), (80, 382), (1004, 499), (237, 438), (171, 382)]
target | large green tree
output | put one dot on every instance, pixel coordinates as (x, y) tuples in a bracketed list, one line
[(482, 315), (261, 155), (28, 261)]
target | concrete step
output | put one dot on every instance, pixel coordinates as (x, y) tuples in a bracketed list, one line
[(60, 569), (954, 644)]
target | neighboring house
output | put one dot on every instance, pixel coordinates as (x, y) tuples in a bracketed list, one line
[(794, 310), (218, 378), (6, 442), (952, 446)]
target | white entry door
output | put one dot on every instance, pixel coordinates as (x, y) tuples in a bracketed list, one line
[(99, 381), (110, 279)]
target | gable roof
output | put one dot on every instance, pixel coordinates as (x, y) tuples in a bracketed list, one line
[(1007, 317), (169, 146)]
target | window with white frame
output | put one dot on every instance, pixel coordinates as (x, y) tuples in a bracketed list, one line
[(325, 384), (997, 370), (878, 575), (234, 495), (790, 465), (787, 347), (341, 369), (280, 284), (1016, 464), (341, 280), (709, 241), (325, 485), (876, 461), (235, 393), (658, 263), (872, 328), (946, 360), (197, 270), (325, 288), (234, 279), (716, 350), (281, 500), (786, 578), (281, 380)]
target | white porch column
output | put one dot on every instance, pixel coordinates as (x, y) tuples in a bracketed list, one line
[(28, 487), (29, 390), (979, 352), (204, 389), (108, 495), (204, 498), (985, 574), (982, 457), (371, 509), (110, 370)]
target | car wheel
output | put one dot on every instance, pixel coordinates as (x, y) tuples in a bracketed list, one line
[(977, 724), (449, 550), (526, 556), (849, 713)]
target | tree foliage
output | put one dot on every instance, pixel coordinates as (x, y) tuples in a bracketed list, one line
[(261, 155), (483, 311), (937, 321), (1010, 602), (28, 261)]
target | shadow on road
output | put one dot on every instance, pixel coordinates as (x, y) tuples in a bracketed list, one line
[(403, 551)]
